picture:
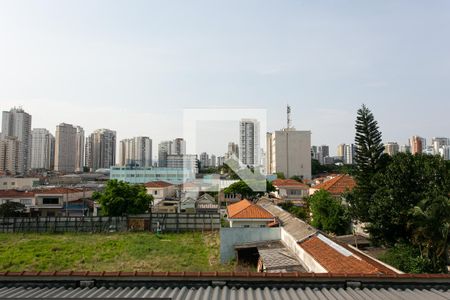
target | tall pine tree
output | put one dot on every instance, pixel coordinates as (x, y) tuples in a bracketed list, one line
[(369, 160)]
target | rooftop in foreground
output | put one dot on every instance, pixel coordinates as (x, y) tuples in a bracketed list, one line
[(230, 285)]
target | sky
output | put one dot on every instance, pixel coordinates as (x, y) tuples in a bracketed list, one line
[(135, 66)]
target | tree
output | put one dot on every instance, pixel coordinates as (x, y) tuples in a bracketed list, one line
[(11, 209), (328, 213), (280, 175), (241, 188), (405, 182), (121, 198), (369, 158), (298, 178), (430, 223), (298, 211), (406, 258)]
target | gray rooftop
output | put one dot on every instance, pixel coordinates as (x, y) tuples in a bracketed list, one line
[(298, 229), (217, 293), (278, 259)]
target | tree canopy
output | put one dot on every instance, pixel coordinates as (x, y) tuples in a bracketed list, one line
[(328, 213), (121, 198), (11, 209), (241, 188)]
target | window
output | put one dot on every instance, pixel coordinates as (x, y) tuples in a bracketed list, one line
[(13, 183), (156, 192), (262, 226), (50, 200), (246, 226)]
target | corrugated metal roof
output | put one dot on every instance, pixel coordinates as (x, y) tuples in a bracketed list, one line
[(218, 293)]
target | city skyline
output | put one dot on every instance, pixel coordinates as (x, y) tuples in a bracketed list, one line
[(139, 66)]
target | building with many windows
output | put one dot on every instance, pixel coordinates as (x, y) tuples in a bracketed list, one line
[(42, 149), (65, 148), (17, 123), (136, 151), (10, 155), (102, 149), (289, 152), (143, 175), (249, 142)]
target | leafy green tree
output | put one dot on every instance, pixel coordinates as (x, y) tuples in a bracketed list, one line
[(369, 160), (297, 211), (280, 175), (241, 188), (11, 209), (121, 198), (328, 213), (406, 258), (405, 182), (298, 178), (430, 223)]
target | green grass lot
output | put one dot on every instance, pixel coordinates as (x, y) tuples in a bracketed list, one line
[(111, 252)]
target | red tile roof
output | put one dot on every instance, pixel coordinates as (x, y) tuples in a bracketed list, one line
[(245, 209), (158, 184), (32, 193), (335, 262), (289, 182), (337, 185)]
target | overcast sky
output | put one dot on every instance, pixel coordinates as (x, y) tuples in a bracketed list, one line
[(133, 66)]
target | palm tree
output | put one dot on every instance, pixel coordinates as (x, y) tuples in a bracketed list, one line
[(430, 223)]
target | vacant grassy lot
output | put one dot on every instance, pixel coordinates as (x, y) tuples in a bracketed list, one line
[(110, 252)]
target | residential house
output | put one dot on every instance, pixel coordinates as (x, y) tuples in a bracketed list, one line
[(187, 205), (51, 202), (160, 190), (206, 204), (290, 190), (247, 214), (336, 186)]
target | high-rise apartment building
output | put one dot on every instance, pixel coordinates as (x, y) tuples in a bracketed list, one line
[(136, 151), (391, 148), (164, 149), (233, 149), (340, 153), (178, 146), (42, 149), (213, 161), (349, 154), (249, 142), (183, 161), (438, 143), (322, 153), (9, 155), (102, 149), (79, 159), (444, 151), (65, 148), (17, 123), (418, 144), (204, 160), (289, 152)]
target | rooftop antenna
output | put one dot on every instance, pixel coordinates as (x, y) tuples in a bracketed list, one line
[(288, 117)]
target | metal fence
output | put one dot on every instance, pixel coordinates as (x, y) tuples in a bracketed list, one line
[(64, 224), (175, 222), (167, 222)]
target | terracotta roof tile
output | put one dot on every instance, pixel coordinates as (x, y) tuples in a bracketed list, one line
[(245, 209), (289, 182), (337, 185), (158, 184), (334, 261)]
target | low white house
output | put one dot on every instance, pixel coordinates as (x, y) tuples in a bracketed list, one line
[(246, 214), (160, 190)]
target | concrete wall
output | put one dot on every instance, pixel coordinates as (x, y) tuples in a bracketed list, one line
[(308, 262), (229, 237)]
